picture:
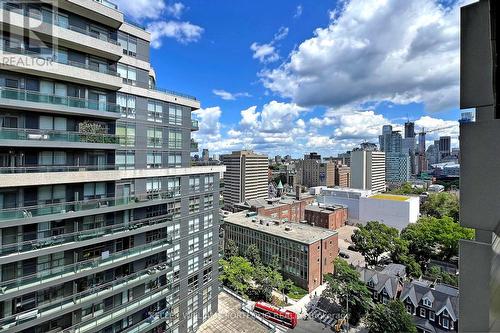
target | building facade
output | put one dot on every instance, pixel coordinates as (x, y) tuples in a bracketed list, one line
[(397, 155), (305, 253), (315, 172), (479, 165), (329, 217), (368, 170), (342, 175), (105, 227), (246, 177)]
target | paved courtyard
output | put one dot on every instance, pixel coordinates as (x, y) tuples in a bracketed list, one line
[(345, 234), (230, 319)]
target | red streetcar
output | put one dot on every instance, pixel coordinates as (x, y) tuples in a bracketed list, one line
[(283, 317)]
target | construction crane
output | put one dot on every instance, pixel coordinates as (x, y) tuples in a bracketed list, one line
[(423, 131)]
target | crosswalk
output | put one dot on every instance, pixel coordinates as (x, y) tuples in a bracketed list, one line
[(323, 317)]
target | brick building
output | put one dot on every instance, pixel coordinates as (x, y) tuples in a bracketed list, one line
[(342, 175), (289, 207), (329, 217), (306, 253)]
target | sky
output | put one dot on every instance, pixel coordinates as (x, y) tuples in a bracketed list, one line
[(294, 76)]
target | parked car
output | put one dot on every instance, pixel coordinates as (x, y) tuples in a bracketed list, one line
[(351, 248), (344, 255)]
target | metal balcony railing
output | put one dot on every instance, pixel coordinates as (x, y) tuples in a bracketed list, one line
[(57, 168), (195, 125), (65, 101), (52, 135)]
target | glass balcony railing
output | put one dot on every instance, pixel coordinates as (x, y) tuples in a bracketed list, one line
[(49, 57), (65, 101), (174, 93), (76, 206), (82, 266), (108, 4), (101, 291), (195, 125), (122, 310), (57, 168), (26, 134), (163, 315), (47, 242), (194, 146)]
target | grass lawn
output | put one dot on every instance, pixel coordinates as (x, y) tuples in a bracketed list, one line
[(296, 292)]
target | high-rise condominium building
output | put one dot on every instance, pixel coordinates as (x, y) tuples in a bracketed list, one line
[(315, 172), (444, 146), (104, 226), (246, 177), (397, 158), (368, 170), (479, 180), (409, 129)]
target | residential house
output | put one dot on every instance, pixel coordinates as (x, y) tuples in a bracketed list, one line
[(385, 285)]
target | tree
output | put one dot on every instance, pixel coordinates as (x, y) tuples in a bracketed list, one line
[(433, 237), (345, 287), (406, 189), (267, 280), (230, 249), (374, 239), (442, 204), (237, 273), (253, 255), (390, 318), (400, 255)]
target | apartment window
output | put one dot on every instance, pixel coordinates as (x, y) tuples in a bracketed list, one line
[(174, 231), (194, 225), (174, 186), (446, 323), (175, 114), (128, 74), (193, 245), (207, 275), (208, 201), (125, 159), (208, 221), (128, 44), (174, 252), (192, 265), (192, 283), (174, 140), (153, 185), (209, 183), (174, 160), (194, 183), (431, 316), (427, 302), (192, 323), (174, 208), (207, 295), (208, 239), (207, 257), (155, 111), (153, 160), (154, 136), (194, 204), (126, 134), (94, 190), (126, 103), (422, 312)]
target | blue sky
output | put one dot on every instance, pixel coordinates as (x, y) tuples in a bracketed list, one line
[(289, 77)]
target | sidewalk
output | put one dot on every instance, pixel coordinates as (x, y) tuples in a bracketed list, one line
[(300, 306)]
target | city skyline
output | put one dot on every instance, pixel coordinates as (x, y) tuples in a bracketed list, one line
[(257, 110)]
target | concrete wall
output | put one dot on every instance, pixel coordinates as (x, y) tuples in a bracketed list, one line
[(393, 213)]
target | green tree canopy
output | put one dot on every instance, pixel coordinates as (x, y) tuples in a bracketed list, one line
[(406, 189), (374, 239), (237, 273), (390, 318), (401, 255), (435, 237), (230, 249), (253, 254), (267, 280), (442, 204), (345, 286)]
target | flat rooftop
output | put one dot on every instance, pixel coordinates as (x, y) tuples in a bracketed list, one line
[(325, 209), (390, 197), (299, 232)]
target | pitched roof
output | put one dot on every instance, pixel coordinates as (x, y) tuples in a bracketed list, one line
[(380, 281), (442, 297)]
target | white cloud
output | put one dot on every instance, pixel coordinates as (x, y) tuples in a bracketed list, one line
[(392, 50), (435, 128), (298, 11), (249, 117), (209, 123), (225, 95), (142, 9), (175, 9), (267, 52), (183, 32)]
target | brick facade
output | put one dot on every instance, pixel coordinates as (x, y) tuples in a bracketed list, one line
[(331, 218), (321, 256)]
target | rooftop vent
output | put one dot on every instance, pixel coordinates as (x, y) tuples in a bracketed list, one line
[(288, 228)]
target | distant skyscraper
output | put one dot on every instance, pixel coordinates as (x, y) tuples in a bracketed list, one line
[(246, 177), (409, 129), (205, 155), (421, 158), (444, 146), (397, 160), (316, 173), (368, 170)]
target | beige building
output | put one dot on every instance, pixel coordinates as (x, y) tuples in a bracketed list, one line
[(342, 175), (368, 170), (314, 172), (246, 177)]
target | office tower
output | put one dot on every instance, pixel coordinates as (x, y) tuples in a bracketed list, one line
[(368, 170), (397, 159), (409, 129), (342, 175), (421, 158), (104, 226), (205, 156), (479, 180), (444, 146), (316, 173), (246, 177)]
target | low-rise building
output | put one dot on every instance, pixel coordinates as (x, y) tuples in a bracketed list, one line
[(330, 217), (395, 211), (434, 307), (385, 285), (348, 197), (305, 253)]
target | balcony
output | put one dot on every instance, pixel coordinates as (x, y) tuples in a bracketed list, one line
[(75, 238), (23, 137), (74, 301), (27, 62), (36, 101), (195, 126), (81, 268), (56, 168), (69, 208), (194, 146)]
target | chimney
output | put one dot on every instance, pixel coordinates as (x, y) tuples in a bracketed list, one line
[(297, 192)]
